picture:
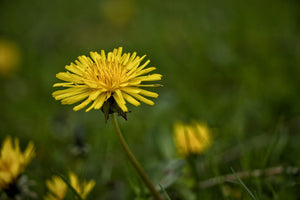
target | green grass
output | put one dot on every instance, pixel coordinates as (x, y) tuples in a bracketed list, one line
[(233, 65)]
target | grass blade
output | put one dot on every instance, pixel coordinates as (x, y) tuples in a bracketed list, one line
[(165, 192), (242, 183)]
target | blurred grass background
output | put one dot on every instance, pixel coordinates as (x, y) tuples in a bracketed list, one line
[(232, 64)]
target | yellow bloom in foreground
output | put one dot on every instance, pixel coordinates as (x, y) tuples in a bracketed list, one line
[(57, 188), (13, 161), (192, 138), (114, 78), (84, 188)]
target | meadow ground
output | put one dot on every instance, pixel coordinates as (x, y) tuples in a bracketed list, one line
[(232, 65)]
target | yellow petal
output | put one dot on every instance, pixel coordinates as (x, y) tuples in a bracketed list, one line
[(98, 102), (63, 85), (151, 77), (75, 69), (125, 58), (148, 93), (101, 99), (120, 102), (119, 52), (119, 94), (135, 64), (145, 71), (60, 94), (95, 56), (6, 147), (74, 182), (143, 99), (87, 188), (134, 82), (131, 58), (75, 98), (131, 100), (150, 85), (95, 94), (85, 60), (131, 89), (67, 76), (83, 104), (29, 153), (103, 56)]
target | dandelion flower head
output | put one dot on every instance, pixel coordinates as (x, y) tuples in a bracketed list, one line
[(114, 77), (82, 188), (13, 161), (57, 188), (192, 138), (9, 57)]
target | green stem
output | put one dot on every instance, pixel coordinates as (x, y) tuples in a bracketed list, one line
[(133, 160), (193, 167)]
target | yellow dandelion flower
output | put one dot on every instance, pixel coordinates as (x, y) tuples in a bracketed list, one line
[(57, 188), (118, 12), (84, 188), (13, 161), (9, 57), (192, 138), (107, 82)]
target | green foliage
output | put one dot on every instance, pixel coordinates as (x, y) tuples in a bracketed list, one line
[(233, 65)]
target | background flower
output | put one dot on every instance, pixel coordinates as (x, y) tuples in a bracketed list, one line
[(118, 12), (57, 188), (83, 188), (13, 161), (10, 57), (234, 65), (193, 138)]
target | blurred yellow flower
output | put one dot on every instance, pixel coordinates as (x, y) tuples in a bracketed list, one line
[(192, 138), (84, 188), (13, 161), (9, 57), (118, 12), (111, 78), (57, 188)]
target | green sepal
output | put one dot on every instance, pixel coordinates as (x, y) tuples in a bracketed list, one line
[(110, 106)]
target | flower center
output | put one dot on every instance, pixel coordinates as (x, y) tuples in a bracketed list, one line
[(109, 75)]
